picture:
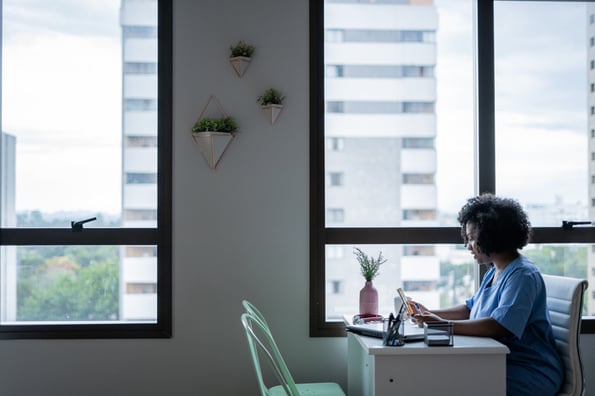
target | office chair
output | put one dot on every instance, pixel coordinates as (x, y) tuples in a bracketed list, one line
[(565, 302), (262, 344)]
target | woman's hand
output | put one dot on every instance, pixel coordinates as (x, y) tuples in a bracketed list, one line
[(418, 308), (426, 316)]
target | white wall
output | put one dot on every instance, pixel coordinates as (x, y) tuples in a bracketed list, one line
[(240, 231)]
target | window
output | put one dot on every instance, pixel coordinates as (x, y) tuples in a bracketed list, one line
[(379, 36), (379, 71), (140, 104), (336, 287), (335, 144), (85, 176), (140, 67), (336, 215), (336, 179), (418, 178), (415, 151), (334, 252), (409, 142), (141, 178)]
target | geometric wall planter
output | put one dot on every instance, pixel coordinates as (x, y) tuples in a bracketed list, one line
[(240, 56), (212, 145), (213, 131), (271, 112), (240, 64), (271, 102)]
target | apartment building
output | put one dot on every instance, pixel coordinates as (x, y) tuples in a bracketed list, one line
[(8, 256), (380, 120), (591, 147), (138, 264)]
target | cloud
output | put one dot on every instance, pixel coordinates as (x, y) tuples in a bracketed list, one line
[(89, 17), (61, 98)]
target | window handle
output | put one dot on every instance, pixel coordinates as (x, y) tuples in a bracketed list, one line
[(77, 226), (568, 224)]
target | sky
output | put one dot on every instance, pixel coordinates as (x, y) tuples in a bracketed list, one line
[(541, 102), (69, 136)]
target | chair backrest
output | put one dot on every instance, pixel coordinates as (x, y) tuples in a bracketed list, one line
[(251, 309), (565, 302), (262, 344)]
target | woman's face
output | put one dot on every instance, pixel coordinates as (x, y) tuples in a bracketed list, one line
[(480, 257)]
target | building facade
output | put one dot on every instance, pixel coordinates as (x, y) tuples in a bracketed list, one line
[(380, 92), (591, 147), (8, 218), (138, 264)]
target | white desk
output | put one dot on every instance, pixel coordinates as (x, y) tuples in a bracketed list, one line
[(472, 366)]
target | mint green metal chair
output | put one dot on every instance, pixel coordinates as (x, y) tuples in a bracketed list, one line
[(251, 309), (262, 345)]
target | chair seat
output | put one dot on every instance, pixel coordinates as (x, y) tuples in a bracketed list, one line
[(319, 389)]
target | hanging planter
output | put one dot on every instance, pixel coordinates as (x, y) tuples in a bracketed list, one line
[(271, 112), (212, 145), (271, 102), (240, 57), (213, 134)]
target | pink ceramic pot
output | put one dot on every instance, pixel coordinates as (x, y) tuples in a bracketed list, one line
[(368, 299)]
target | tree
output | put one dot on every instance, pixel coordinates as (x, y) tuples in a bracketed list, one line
[(73, 293), (68, 283)]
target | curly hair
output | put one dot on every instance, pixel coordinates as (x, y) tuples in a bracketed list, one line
[(501, 223)]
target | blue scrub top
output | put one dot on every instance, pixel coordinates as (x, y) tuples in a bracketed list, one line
[(517, 301)]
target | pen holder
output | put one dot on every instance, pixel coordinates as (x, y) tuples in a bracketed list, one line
[(394, 332), (438, 333)]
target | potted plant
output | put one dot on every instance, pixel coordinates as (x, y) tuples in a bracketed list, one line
[(213, 133), (369, 267), (271, 102), (240, 56), (226, 125)]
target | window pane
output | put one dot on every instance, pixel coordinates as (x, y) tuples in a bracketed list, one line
[(543, 108), (565, 260), (79, 142), (79, 112), (74, 284), (440, 276), (437, 275), (399, 112)]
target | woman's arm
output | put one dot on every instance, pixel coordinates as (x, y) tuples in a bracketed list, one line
[(458, 312), (484, 327), (462, 325)]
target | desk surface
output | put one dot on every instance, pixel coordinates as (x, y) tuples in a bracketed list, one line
[(461, 345)]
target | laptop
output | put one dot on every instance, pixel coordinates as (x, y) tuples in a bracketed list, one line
[(374, 329)]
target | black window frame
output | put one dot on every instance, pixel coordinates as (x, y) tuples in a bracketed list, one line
[(161, 236), (321, 235)]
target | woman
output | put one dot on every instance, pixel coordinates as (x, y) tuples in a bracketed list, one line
[(510, 304)]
